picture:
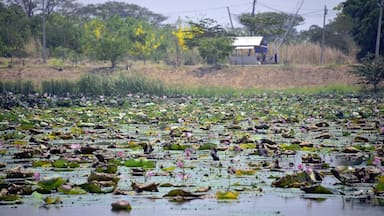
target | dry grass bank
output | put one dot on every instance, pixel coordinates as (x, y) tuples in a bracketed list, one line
[(261, 76)]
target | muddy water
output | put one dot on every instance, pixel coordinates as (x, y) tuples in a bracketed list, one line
[(247, 205)]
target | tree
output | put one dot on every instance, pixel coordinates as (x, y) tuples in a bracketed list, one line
[(16, 23), (364, 15), (64, 32), (106, 40), (371, 70), (214, 50), (337, 34), (213, 42), (269, 24), (121, 9), (144, 41)]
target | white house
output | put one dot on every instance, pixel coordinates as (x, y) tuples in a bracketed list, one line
[(249, 51)]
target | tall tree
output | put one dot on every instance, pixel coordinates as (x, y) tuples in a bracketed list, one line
[(213, 42), (121, 9), (16, 23), (144, 40), (337, 34), (29, 6), (107, 40), (270, 24), (364, 15), (64, 32)]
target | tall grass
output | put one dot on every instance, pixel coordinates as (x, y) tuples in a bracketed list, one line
[(95, 85), (121, 85), (309, 53), (17, 87)]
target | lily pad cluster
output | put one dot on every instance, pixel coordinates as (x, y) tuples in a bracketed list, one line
[(186, 148)]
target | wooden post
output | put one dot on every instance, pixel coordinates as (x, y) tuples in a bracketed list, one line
[(323, 37), (377, 50)]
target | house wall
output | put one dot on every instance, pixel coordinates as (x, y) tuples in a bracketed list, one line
[(243, 60)]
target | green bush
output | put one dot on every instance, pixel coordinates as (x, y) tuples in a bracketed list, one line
[(371, 71)]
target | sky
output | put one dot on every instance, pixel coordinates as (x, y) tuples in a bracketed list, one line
[(311, 10)]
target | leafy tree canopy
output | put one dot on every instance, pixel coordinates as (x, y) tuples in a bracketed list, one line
[(121, 9), (16, 23), (270, 24), (364, 15), (213, 42), (337, 34)]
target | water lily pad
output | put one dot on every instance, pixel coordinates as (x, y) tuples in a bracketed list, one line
[(141, 162), (316, 189), (295, 180), (229, 195), (72, 191), (51, 183)]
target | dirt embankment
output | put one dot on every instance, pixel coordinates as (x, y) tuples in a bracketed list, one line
[(261, 76)]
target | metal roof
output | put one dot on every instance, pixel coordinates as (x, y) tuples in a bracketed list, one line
[(247, 41)]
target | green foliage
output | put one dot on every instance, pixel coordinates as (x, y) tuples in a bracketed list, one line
[(109, 168), (141, 162), (176, 147), (18, 87), (15, 30), (207, 146), (106, 40), (144, 40), (337, 34), (63, 163), (364, 15), (91, 187), (51, 183), (58, 87), (124, 10), (214, 50), (370, 71), (63, 35), (269, 24), (228, 195), (73, 191), (212, 40)]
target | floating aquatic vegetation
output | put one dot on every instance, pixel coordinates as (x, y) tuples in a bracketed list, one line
[(51, 183), (67, 189), (295, 180), (379, 187), (292, 141), (316, 189), (141, 162), (228, 195)]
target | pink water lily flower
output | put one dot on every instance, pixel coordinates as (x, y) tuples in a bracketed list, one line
[(308, 169), (180, 164), (36, 176), (188, 152), (376, 161), (183, 176), (120, 154), (75, 146), (149, 174), (188, 135), (300, 167)]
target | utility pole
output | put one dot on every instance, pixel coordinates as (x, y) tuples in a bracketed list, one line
[(253, 8), (323, 36), (44, 36), (230, 18), (253, 14), (377, 51)]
